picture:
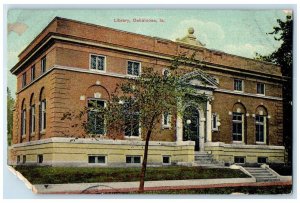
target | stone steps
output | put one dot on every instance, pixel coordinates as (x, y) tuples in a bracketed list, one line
[(262, 174)]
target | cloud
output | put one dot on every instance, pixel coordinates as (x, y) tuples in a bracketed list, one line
[(247, 50), (17, 27), (207, 32)]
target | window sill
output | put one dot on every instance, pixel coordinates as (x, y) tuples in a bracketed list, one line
[(98, 71), (43, 132), (133, 164), (166, 127), (32, 134), (260, 143), (97, 164), (238, 142), (133, 137), (23, 136), (239, 91)]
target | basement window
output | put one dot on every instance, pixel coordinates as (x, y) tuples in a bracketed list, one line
[(239, 160), (18, 159), (166, 160), (24, 159), (40, 158), (133, 159), (262, 160), (97, 159)]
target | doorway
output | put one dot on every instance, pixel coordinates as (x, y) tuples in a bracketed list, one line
[(191, 126)]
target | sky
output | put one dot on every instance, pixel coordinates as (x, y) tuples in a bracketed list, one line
[(239, 32)]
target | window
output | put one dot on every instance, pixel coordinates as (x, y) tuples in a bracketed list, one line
[(260, 88), (32, 71), (214, 122), (133, 68), (24, 159), (97, 62), (166, 160), (24, 79), (97, 159), (133, 159), (43, 65), (23, 120), (238, 85), (132, 119), (262, 160), (237, 128), (18, 159), (239, 160), (43, 115), (95, 117), (32, 119), (260, 128), (40, 158), (166, 120)]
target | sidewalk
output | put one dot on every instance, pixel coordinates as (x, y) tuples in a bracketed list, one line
[(126, 187)]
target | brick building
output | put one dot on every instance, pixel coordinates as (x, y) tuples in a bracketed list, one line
[(71, 63)]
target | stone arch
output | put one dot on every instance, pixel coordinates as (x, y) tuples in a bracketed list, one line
[(97, 91), (261, 110), (239, 108)]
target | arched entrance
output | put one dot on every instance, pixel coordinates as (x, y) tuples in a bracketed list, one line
[(191, 126)]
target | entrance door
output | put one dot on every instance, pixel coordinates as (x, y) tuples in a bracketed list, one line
[(191, 126)]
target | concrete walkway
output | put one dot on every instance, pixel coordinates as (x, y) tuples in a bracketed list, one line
[(126, 187)]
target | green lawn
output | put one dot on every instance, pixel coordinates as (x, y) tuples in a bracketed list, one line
[(266, 190), (58, 175)]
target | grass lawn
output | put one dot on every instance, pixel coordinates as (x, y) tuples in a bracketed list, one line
[(58, 175), (267, 190)]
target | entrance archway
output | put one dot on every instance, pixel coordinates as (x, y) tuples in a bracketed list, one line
[(191, 125)]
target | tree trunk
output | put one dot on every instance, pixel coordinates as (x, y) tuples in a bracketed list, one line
[(144, 165)]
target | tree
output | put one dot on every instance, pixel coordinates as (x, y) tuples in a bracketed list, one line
[(283, 57), (142, 101), (10, 107)]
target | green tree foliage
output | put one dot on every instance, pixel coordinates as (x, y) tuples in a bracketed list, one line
[(283, 57), (10, 107)]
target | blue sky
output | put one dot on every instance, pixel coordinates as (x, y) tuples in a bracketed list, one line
[(239, 32)]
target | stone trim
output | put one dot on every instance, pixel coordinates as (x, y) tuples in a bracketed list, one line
[(102, 141), (248, 94), (242, 146)]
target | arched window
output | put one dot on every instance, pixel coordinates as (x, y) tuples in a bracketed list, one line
[(32, 114), (238, 123), (42, 110), (96, 123), (261, 125), (23, 119)]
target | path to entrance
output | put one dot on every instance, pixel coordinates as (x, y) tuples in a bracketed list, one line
[(126, 187)]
